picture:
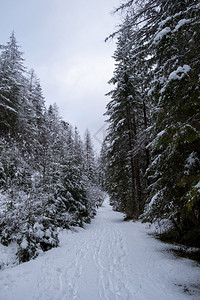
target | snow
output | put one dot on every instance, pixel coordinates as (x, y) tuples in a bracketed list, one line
[(161, 133), (8, 107), (161, 34), (191, 159), (181, 23), (153, 199), (197, 186), (150, 91), (162, 23), (121, 122), (110, 260), (158, 136), (48, 233), (8, 255), (180, 70), (190, 162), (178, 74), (156, 160), (24, 244)]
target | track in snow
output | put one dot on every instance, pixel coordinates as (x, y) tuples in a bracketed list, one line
[(110, 260)]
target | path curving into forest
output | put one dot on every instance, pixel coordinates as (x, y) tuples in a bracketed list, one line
[(109, 260)]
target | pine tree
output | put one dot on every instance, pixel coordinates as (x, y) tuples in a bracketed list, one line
[(158, 57), (128, 118), (11, 82), (90, 163), (102, 166), (175, 148), (44, 177)]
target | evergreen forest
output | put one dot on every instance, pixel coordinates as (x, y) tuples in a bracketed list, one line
[(49, 176), (152, 148), (149, 164)]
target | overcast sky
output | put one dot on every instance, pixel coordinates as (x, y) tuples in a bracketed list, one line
[(63, 41)]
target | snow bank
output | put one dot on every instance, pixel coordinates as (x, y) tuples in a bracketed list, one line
[(109, 260)]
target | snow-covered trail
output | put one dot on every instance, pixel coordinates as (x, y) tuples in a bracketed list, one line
[(109, 260)]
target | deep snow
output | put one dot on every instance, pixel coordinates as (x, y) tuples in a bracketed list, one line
[(109, 260)]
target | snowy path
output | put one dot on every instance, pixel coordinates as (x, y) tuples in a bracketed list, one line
[(110, 260)]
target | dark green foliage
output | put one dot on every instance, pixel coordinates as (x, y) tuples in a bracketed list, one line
[(158, 64), (174, 171), (127, 116)]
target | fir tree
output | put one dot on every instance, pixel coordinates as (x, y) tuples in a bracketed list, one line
[(11, 82), (158, 64), (175, 148)]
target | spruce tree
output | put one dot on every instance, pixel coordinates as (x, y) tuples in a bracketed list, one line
[(11, 82), (158, 47), (174, 171), (128, 122), (43, 176)]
